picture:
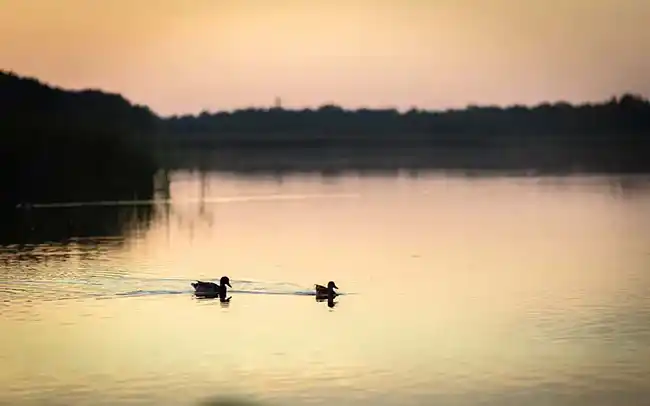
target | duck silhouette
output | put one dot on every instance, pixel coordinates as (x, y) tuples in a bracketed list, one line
[(211, 289), (326, 291)]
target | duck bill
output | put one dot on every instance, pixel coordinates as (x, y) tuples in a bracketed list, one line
[(228, 284)]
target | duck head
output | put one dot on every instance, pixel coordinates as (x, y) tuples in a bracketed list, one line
[(331, 285), (225, 281)]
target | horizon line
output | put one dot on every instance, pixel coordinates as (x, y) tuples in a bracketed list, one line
[(272, 105)]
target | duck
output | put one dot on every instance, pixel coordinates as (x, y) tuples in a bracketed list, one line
[(210, 288), (326, 291)]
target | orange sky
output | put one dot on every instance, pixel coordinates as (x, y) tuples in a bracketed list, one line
[(180, 56)]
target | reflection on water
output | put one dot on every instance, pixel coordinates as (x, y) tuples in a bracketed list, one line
[(455, 291)]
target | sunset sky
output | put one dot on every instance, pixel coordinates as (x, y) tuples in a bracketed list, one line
[(184, 56)]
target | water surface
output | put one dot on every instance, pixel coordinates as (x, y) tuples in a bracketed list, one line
[(456, 291)]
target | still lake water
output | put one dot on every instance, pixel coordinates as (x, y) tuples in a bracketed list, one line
[(457, 291)]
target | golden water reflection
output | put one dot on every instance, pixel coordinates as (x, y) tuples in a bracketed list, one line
[(461, 291)]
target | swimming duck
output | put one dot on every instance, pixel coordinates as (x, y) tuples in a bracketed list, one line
[(326, 291), (211, 288)]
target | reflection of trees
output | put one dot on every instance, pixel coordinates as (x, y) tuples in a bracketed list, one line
[(84, 224), (334, 160), (185, 213), (629, 186), (162, 195), (82, 249), (617, 186), (79, 225)]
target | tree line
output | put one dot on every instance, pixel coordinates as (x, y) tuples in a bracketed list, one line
[(63, 145), (60, 145)]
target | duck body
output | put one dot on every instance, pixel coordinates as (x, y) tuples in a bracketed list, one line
[(206, 287), (326, 290), (211, 289)]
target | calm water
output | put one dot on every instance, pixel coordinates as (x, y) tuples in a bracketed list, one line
[(457, 291)]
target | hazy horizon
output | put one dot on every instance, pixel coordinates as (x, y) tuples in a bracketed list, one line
[(189, 56)]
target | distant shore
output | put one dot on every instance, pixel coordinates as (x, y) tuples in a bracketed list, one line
[(59, 144)]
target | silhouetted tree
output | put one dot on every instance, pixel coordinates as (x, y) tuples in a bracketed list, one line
[(612, 120), (61, 145), (72, 145)]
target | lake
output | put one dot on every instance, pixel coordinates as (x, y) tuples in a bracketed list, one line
[(456, 290)]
